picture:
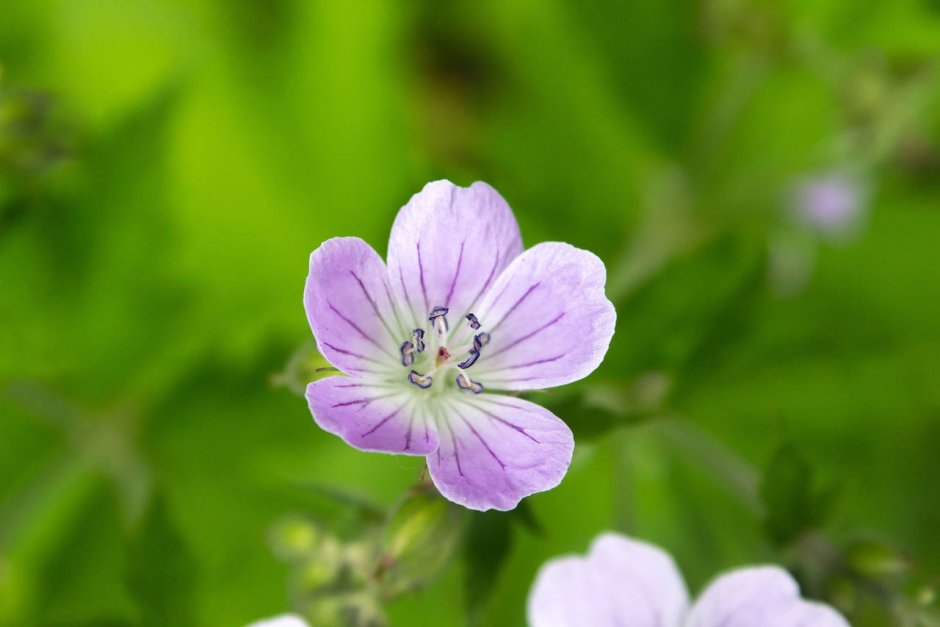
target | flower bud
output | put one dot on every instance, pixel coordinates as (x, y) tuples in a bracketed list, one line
[(294, 539), (876, 560), (418, 540)]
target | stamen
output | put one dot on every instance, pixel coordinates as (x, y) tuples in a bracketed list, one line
[(480, 340), (417, 338), (420, 380), (407, 354), (474, 323), (438, 318), (469, 361), (464, 383)]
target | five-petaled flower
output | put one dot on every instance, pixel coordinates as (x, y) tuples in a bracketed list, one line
[(460, 311), (624, 582)]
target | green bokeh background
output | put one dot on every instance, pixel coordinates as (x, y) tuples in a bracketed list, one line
[(166, 167)]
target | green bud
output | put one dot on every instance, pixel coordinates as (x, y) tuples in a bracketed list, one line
[(316, 574), (876, 560), (305, 365), (355, 609), (418, 540), (294, 539), (926, 596)]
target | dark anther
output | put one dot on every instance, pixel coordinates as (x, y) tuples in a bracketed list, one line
[(407, 354), (422, 381), (464, 383), (469, 361), (480, 340), (474, 323), (438, 318), (417, 338)]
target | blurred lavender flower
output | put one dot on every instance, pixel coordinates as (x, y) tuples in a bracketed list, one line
[(284, 620), (626, 582), (832, 205), (460, 308)]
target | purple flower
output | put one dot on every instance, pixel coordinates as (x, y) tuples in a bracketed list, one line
[(460, 310), (624, 582), (831, 204)]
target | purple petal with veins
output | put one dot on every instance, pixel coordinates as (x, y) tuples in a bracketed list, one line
[(346, 306), (370, 416), (496, 454), (550, 321), (467, 235)]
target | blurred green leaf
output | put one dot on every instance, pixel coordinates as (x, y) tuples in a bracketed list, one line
[(593, 409), (160, 571), (793, 501), (876, 559), (688, 309), (486, 547), (79, 577)]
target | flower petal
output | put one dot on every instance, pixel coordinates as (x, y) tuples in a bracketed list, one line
[(620, 582), (448, 245), (372, 416), (548, 319), (284, 620), (495, 450), (764, 595), (350, 308)]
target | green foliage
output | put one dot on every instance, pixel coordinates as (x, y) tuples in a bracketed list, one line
[(489, 539), (161, 574), (793, 500), (167, 167)]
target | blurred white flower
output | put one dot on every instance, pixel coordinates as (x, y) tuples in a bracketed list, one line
[(284, 620), (622, 582)]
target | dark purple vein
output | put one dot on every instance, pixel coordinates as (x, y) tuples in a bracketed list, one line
[(453, 283), (401, 277), (424, 290), (493, 399), (384, 420), (365, 401), (513, 308), (411, 423), (394, 306), (343, 351), (453, 439), (364, 385), (471, 305), (505, 422), (489, 279), (375, 308), (483, 442), (525, 337), (546, 360), (361, 332)]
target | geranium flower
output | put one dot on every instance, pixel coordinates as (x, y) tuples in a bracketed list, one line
[(460, 311), (626, 583)]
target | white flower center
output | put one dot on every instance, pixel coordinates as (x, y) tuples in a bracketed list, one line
[(416, 352)]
